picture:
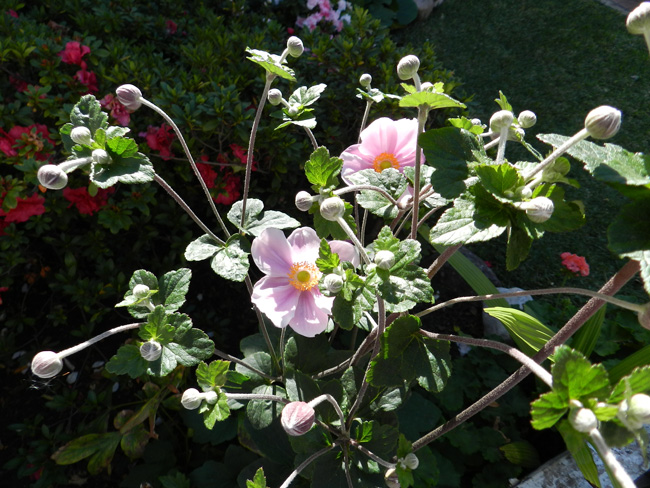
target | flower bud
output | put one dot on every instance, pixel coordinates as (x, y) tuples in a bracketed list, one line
[(635, 412), (410, 461), (101, 157), (391, 478), (333, 283), (81, 135), (527, 119), (365, 80), (426, 86), (638, 20), (304, 201), (583, 420), (140, 291), (46, 364), (476, 122), (501, 120), (332, 208), (407, 67), (524, 192), (384, 259), (129, 96), (295, 46), (52, 177), (151, 350), (539, 209), (274, 96), (297, 418), (191, 399), (603, 122)]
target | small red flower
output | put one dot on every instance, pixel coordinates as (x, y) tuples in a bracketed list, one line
[(118, 111), (229, 192), (73, 53), (170, 27), (576, 264), (207, 172), (26, 208), (13, 13), (87, 78), (87, 205), (2, 290), (32, 141), (160, 139)]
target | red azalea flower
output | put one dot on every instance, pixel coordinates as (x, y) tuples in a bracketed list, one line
[(207, 172), (26, 208), (13, 13), (87, 78), (18, 84), (87, 205), (32, 141), (230, 191), (2, 290), (574, 263), (73, 53), (160, 139), (170, 27), (118, 111)]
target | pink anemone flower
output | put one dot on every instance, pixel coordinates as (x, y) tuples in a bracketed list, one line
[(289, 294), (385, 143)]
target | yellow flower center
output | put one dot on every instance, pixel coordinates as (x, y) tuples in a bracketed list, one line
[(385, 160), (304, 276)]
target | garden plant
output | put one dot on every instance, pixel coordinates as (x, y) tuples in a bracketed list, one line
[(339, 384)]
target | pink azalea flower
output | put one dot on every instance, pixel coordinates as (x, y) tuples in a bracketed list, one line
[(384, 144), (575, 263), (118, 111), (87, 78), (73, 53), (289, 294), (160, 139)]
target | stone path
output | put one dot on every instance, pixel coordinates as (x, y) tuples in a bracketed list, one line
[(624, 6)]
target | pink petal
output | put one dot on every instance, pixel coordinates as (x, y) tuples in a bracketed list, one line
[(312, 312), (276, 298), (346, 251), (272, 253), (304, 244)]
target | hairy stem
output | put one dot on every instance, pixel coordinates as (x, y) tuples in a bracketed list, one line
[(423, 113), (97, 338), (304, 464), (606, 454), (442, 259)]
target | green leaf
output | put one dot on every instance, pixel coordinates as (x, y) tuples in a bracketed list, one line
[(271, 63), (521, 453), (430, 100), (634, 241), (202, 248), (518, 246), (528, 332), (321, 169), (128, 360), (577, 378), (231, 262), (258, 481), (304, 96), (406, 252), (636, 382), (177, 480), (127, 170), (173, 288), (99, 447), (262, 413), (407, 287), (216, 412), (122, 147), (577, 446), (325, 228), (327, 261), (636, 360), (256, 219), (499, 179), (389, 180), (135, 441), (212, 375), (585, 339), (548, 409), (87, 112), (157, 327)]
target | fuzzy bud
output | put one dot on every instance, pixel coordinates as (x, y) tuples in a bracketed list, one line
[(426, 86), (410, 461), (304, 201), (191, 399), (365, 80), (333, 283), (476, 122), (81, 135), (524, 192), (140, 291), (297, 418), (391, 478), (295, 46), (603, 122), (527, 119), (638, 20), (539, 209), (635, 412), (501, 120), (129, 96), (151, 350), (52, 177), (384, 259), (332, 208), (408, 67), (101, 157), (47, 364), (274, 96), (583, 420)]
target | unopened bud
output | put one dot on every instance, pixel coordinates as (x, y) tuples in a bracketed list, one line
[(639, 408), (81, 135), (46, 364), (129, 96), (384, 259), (333, 283), (603, 122), (365, 80), (527, 119), (391, 478), (583, 420), (638, 20), (274, 96), (297, 418), (476, 122), (304, 201), (191, 399), (426, 86), (539, 209), (101, 157), (407, 67), (501, 120), (295, 46), (151, 350), (524, 192), (410, 461), (140, 291), (52, 177), (332, 208)]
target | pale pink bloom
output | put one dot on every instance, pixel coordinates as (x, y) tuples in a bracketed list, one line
[(385, 143), (289, 294)]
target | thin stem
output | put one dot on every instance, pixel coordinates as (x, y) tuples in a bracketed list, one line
[(423, 113), (543, 291), (311, 137), (579, 136), (71, 165), (364, 120), (371, 455), (606, 454), (158, 179), (186, 149), (442, 259), (348, 230), (491, 144), (304, 464), (544, 375), (503, 139), (235, 360), (256, 396), (352, 188), (346, 466), (327, 397), (262, 325), (427, 215), (90, 342)]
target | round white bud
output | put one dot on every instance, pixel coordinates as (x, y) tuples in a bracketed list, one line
[(391, 478), (603, 122), (501, 120), (476, 122), (524, 192), (151, 350), (333, 283), (52, 177), (81, 135), (583, 420), (274, 96), (426, 86), (407, 67), (410, 461), (365, 80), (384, 259), (129, 96), (539, 209), (211, 397), (46, 364), (140, 291), (332, 208), (297, 418), (304, 201), (527, 119), (101, 157), (295, 46), (638, 20), (635, 412), (191, 399)]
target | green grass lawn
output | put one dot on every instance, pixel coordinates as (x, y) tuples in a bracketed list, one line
[(559, 59)]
